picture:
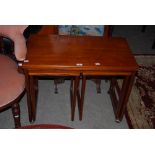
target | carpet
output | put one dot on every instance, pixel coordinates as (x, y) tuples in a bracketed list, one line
[(140, 111)]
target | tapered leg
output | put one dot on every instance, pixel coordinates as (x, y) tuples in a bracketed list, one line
[(126, 90), (120, 96), (83, 87), (73, 93), (34, 94), (28, 93), (16, 115)]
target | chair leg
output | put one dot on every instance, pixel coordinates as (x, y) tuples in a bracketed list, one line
[(16, 114), (55, 87), (98, 85), (56, 82)]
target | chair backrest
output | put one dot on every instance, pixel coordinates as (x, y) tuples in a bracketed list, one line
[(96, 30), (89, 30), (15, 33)]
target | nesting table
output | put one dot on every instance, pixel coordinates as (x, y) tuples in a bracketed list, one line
[(79, 57)]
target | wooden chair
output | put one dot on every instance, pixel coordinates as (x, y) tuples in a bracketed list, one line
[(12, 83)]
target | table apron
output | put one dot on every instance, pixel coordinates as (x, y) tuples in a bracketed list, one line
[(55, 72)]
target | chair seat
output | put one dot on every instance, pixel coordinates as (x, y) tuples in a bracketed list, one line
[(10, 86), (45, 126)]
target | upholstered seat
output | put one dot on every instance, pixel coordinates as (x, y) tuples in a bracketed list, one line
[(12, 83), (15, 32)]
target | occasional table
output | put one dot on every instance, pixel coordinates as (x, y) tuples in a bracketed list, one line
[(79, 57)]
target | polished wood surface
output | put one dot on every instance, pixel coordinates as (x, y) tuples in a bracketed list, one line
[(80, 57), (54, 29), (70, 52)]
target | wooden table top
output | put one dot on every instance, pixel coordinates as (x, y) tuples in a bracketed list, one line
[(79, 53)]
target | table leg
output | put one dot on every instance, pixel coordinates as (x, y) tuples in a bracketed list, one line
[(120, 96), (125, 92), (71, 97), (34, 94), (28, 93), (73, 93), (80, 96)]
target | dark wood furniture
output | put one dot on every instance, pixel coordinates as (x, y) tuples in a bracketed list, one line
[(107, 33), (53, 29), (79, 57), (48, 30)]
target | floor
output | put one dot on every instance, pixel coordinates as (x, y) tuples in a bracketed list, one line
[(55, 108), (139, 42)]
